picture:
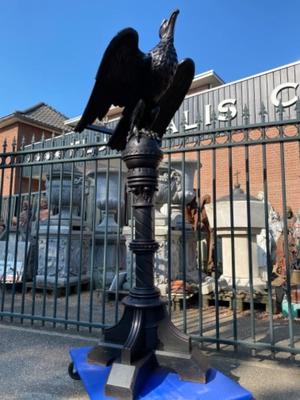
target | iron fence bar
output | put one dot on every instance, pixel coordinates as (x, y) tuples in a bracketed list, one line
[(58, 242), (47, 244), (269, 261), (52, 320), (286, 250), (249, 241), (246, 344), (24, 286), (118, 258), (199, 236), (165, 150), (214, 191), (169, 240), (232, 243), (16, 243), (193, 133), (105, 243), (69, 244), (3, 162), (186, 135), (7, 238), (235, 144), (183, 233), (82, 228), (33, 244), (91, 291), (132, 259)]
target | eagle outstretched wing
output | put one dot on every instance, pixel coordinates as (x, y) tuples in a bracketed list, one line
[(118, 78), (172, 99)]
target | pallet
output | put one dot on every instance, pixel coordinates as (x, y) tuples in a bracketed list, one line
[(60, 290), (243, 301)]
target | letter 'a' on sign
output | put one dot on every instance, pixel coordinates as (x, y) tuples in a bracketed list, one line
[(274, 95)]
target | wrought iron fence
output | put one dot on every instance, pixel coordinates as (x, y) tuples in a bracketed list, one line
[(228, 253)]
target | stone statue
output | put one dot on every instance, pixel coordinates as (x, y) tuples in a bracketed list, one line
[(44, 211), (164, 183), (24, 221), (150, 86), (296, 234), (279, 270), (2, 229)]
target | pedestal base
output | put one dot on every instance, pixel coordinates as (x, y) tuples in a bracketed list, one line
[(160, 384), (143, 340)]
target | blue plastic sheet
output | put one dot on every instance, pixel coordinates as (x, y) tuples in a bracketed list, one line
[(161, 385)]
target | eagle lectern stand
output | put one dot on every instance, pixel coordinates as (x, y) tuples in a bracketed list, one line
[(145, 337)]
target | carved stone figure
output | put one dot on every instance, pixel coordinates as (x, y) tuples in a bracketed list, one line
[(282, 263), (44, 211), (150, 86), (296, 234), (24, 221)]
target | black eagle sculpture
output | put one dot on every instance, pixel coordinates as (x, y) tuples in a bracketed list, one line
[(150, 86)]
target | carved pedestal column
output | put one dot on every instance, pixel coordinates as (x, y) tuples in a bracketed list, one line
[(145, 337)]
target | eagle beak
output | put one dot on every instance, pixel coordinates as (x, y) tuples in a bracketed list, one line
[(172, 20), (173, 16)]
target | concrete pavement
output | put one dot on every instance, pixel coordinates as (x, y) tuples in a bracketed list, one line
[(33, 365)]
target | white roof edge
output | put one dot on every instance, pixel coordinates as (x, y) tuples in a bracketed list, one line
[(71, 121), (205, 74)]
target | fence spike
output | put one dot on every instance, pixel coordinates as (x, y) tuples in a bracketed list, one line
[(262, 112), (229, 116), (214, 118), (246, 114), (199, 121), (280, 110), (14, 144), (23, 142), (4, 145), (182, 123)]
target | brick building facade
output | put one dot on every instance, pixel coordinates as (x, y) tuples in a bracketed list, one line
[(23, 127)]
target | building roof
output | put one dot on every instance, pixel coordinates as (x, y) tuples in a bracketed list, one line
[(41, 114)]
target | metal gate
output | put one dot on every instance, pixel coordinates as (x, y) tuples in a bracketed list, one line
[(223, 265)]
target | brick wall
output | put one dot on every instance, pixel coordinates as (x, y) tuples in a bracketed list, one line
[(18, 131)]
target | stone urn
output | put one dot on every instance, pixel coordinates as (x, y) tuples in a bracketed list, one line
[(110, 249), (64, 189), (166, 182), (109, 192)]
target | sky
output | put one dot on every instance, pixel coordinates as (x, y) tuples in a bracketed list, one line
[(51, 49)]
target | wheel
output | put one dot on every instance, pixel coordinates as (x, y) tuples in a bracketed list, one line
[(73, 373)]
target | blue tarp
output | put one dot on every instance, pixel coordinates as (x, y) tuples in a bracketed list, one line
[(161, 385)]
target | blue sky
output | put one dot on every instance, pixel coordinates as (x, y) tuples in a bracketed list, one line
[(51, 49)]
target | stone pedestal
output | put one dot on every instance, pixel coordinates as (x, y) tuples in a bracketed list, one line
[(241, 258), (240, 235), (113, 254), (59, 260)]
